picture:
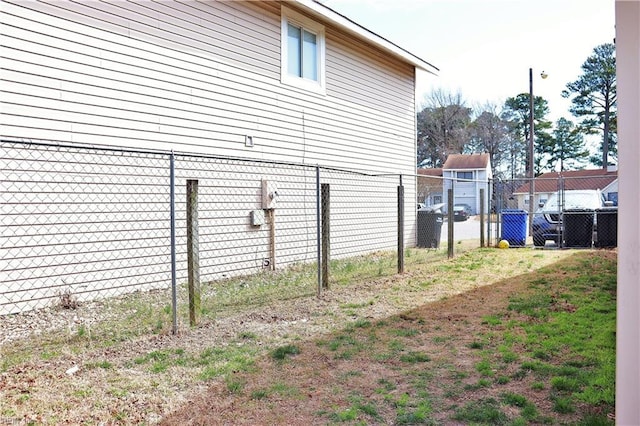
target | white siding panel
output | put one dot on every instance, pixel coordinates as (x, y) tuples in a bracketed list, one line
[(172, 79), (189, 76), (394, 89)]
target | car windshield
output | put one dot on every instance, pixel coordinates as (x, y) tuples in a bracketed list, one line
[(573, 200)]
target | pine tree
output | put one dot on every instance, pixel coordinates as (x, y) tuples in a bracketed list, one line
[(569, 149), (594, 99)]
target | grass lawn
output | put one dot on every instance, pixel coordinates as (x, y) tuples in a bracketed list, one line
[(489, 337), (538, 348)]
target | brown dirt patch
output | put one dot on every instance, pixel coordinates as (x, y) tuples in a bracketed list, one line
[(373, 367), (290, 392)]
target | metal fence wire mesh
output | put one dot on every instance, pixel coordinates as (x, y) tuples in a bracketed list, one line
[(569, 212), (91, 223), (88, 223)]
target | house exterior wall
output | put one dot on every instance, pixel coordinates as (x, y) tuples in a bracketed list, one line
[(628, 292), (198, 77), (467, 192)]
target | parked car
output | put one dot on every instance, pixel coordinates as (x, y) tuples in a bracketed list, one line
[(547, 221), (461, 212)]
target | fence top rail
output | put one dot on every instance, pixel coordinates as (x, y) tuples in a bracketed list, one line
[(168, 153)]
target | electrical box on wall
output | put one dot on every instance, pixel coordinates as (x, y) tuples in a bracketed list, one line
[(257, 217), (269, 194)]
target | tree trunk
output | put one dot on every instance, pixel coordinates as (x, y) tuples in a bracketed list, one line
[(605, 141)]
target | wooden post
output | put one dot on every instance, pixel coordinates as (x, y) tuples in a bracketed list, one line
[(481, 217), (193, 253), (400, 227), (326, 233), (450, 224), (271, 217)]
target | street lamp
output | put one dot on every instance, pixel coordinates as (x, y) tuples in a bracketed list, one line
[(543, 75)]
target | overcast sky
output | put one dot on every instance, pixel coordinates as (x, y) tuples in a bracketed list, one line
[(484, 48)]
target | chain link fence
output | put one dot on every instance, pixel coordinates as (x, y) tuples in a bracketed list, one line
[(81, 224), (565, 212)]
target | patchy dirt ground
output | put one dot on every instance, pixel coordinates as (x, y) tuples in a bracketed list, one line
[(119, 385), (319, 384)]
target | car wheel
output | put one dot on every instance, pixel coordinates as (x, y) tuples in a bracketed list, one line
[(538, 241)]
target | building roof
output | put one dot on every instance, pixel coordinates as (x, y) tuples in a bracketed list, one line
[(316, 8), (573, 179), (466, 161), (430, 172)]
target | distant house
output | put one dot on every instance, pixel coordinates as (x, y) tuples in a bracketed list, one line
[(467, 174), (548, 183), (429, 186)]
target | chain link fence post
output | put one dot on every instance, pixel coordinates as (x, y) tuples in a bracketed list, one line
[(172, 208), (400, 227), (326, 233), (193, 251), (318, 232)]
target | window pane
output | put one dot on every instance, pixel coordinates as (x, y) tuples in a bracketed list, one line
[(309, 56), (293, 50)]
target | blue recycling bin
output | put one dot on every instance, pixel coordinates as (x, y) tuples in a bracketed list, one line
[(514, 227)]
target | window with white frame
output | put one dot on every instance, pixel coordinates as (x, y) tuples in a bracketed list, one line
[(462, 176), (302, 51)]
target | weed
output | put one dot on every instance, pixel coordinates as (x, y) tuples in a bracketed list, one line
[(419, 415), (348, 415), (82, 330), (404, 332), (484, 367), (104, 365), (565, 384), (259, 394), (414, 357), (535, 306), (46, 355), (476, 345), (284, 389), (67, 300), (509, 357), (502, 380), (283, 352), (514, 399), (359, 323), (482, 383), (541, 355), (118, 393), (492, 320), (247, 335), (386, 385), (529, 411), (221, 361), (595, 420), (486, 411), (235, 386), (563, 405), (537, 386)]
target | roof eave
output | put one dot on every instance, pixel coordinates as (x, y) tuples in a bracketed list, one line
[(314, 8)]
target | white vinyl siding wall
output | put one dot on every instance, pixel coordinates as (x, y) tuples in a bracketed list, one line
[(199, 77)]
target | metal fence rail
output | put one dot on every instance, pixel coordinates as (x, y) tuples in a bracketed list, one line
[(89, 223), (93, 223)]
